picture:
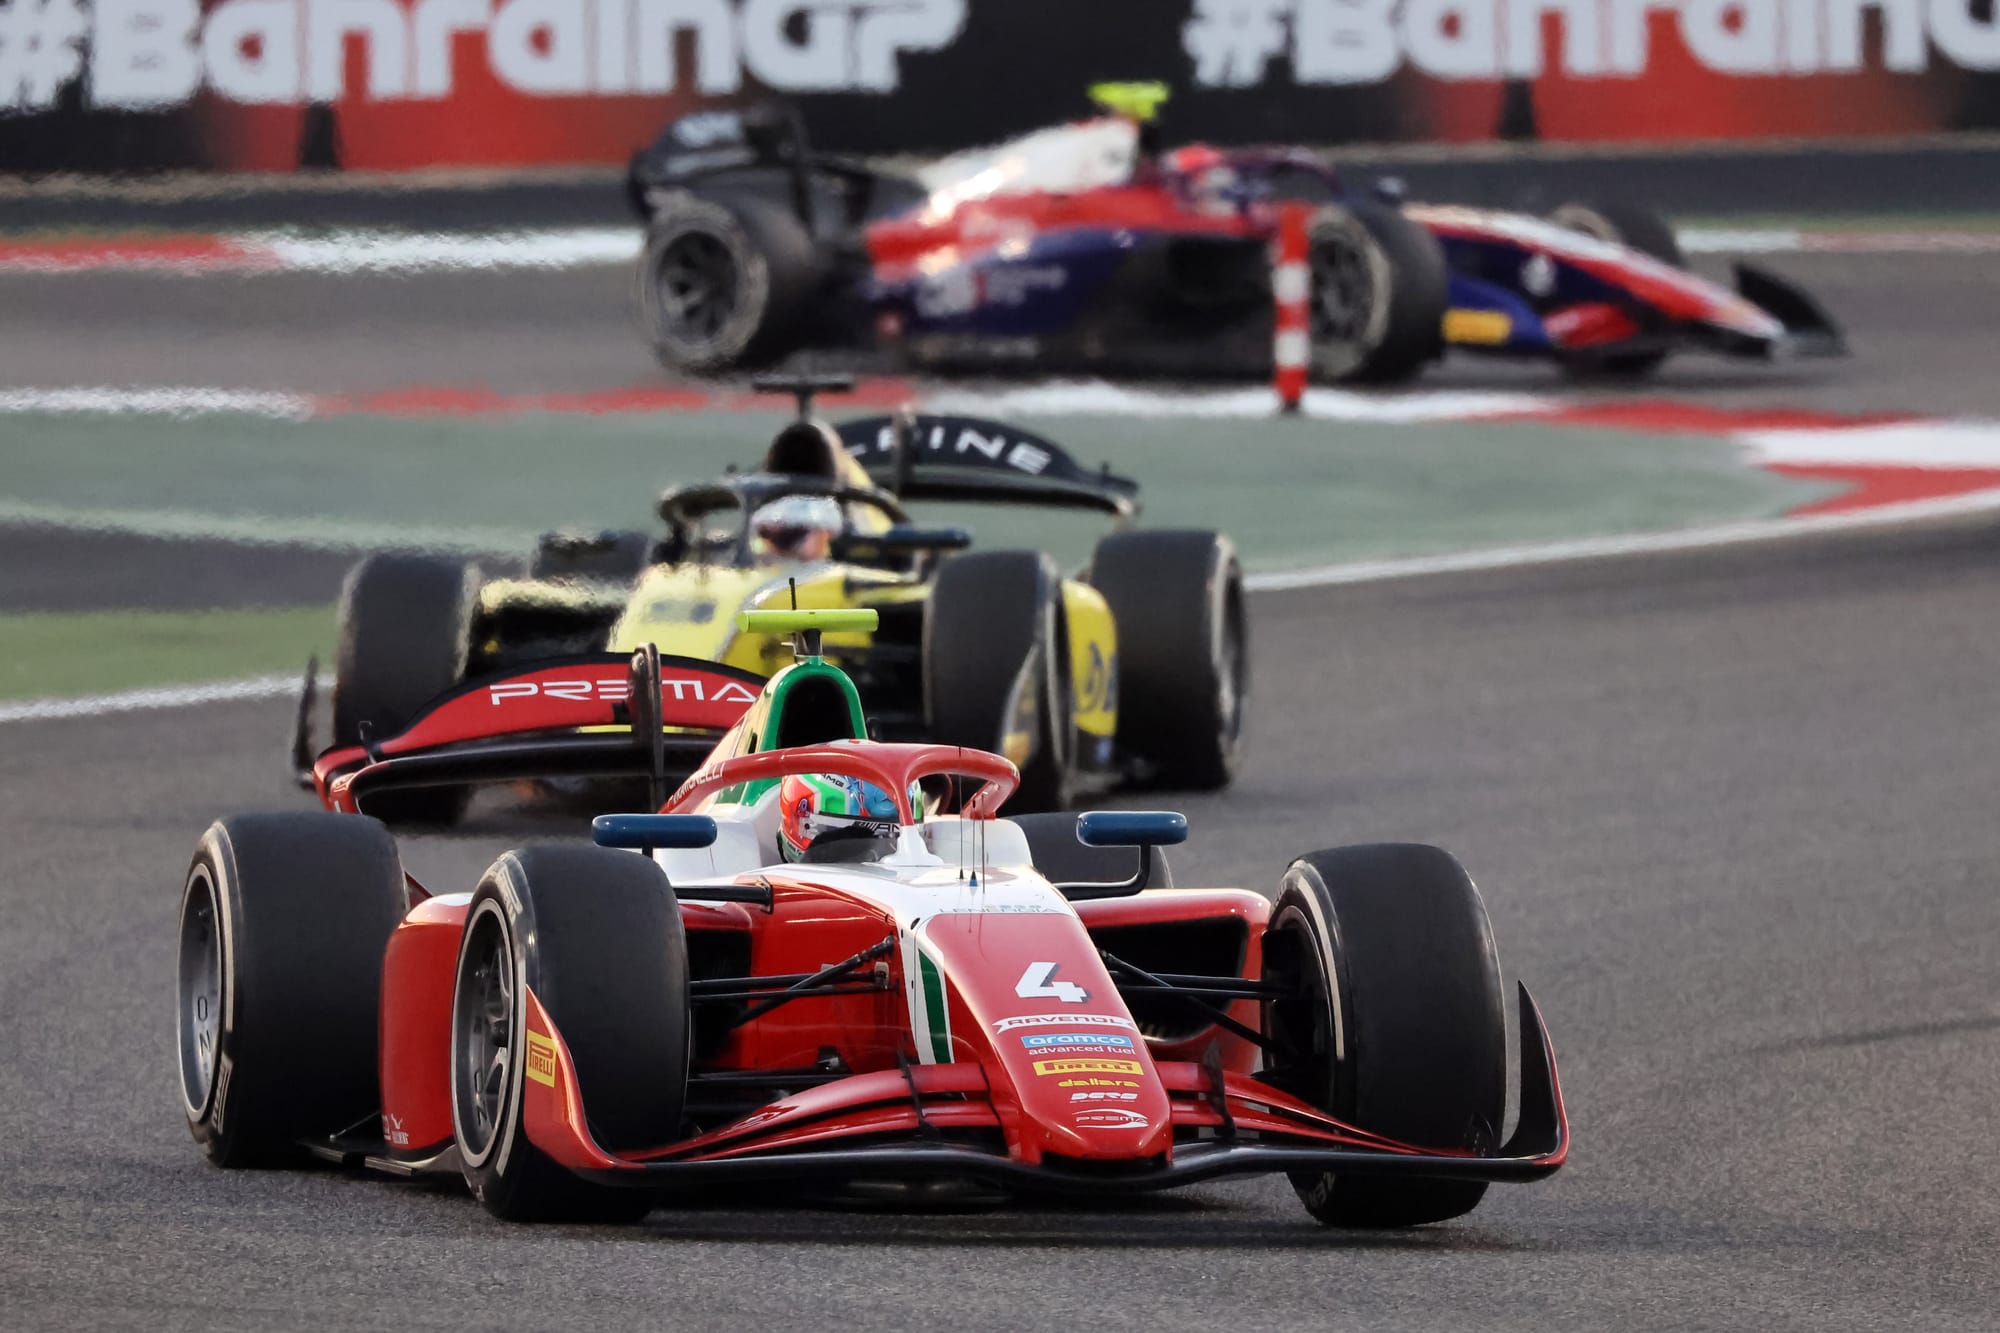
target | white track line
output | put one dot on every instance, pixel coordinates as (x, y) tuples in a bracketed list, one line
[(1779, 240), (316, 534), (174, 402), (1651, 543), (1907, 444), (1098, 398), (151, 700), (443, 252)]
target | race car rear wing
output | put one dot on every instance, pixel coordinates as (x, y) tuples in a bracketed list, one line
[(660, 717), (928, 456)]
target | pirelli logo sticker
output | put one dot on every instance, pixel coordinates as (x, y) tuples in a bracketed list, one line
[(1087, 1067), (542, 1059)]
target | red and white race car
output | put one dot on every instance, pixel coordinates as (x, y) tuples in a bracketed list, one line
[(952, 1000)]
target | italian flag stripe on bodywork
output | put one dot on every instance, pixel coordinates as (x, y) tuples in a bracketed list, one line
[(934, 1009), (923, 992)]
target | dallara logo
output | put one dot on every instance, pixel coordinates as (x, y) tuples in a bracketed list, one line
[(542, 1059)]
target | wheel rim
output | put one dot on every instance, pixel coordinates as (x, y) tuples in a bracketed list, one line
[(696, 281), (483, 1039), (1232, 677), (200, 991), (1343, 294), (1301, 1021)]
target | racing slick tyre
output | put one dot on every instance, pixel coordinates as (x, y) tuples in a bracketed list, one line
[(602, 557), (284, 921), (1380, 289), (996, 665), (1063, 860), (1391, 1019), (405, 636), (1183, 671), (596, 935), (1641, 230), (724, 285)]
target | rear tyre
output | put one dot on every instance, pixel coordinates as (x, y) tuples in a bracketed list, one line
[(724, 285), (1392, 1019), (1380, 289), (405, 638), (1641, 230), (1183, 672), (597, 935), (605, 557), (284, 921), (996, 663), (1063, 860)]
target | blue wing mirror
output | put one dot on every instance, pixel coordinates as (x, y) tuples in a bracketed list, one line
[(1131, 828), (1144, 829), (647, 832)]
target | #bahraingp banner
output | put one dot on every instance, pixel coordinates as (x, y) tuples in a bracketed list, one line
[(397, 84)]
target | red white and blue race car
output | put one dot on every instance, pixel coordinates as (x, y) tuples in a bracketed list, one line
[(753, 986), (1090, 248)]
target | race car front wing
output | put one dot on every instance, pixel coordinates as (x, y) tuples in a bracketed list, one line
[(929, 1122)]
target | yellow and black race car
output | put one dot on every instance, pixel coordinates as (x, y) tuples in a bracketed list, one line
[(1134, 669)]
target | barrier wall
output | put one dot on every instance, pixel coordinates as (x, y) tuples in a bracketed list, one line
[(126, 85)]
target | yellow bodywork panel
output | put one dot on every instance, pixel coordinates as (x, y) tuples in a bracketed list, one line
[(1488, 327), (1093, 652), (691, 610)]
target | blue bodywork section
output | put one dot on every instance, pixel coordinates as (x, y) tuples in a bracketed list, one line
[(1031, 288), (1524, 333)]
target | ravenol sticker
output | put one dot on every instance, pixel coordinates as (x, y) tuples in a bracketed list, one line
[(1064, 1020), (1088, 1067), (1043, 1040), (542, 1059)]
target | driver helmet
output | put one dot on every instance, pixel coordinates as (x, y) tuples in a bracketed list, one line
[(796, 527), (1204, 173), (826, 809)]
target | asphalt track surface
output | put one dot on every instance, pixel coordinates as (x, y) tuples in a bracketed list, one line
[(1920, 326), (1732, 812)]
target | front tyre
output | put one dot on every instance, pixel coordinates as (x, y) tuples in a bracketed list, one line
[(284, 921), (596, 934), (1379, 291), (1391, 1019), (1183, 671)]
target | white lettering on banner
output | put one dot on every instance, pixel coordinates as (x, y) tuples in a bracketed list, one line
[(144, 50), (1233, 42), (160, 53), (251, 52), (434, 23), (561, 65)]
